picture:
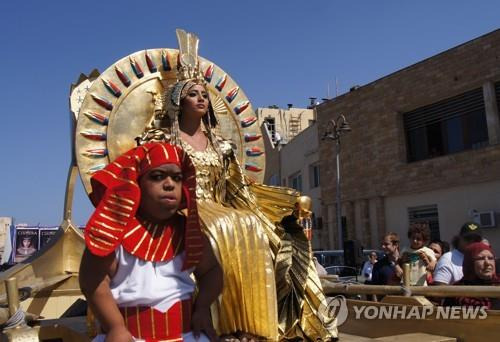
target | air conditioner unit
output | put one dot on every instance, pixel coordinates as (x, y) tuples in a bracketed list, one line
[(485, 219)]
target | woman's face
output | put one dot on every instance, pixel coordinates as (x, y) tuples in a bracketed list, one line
[(484, 265), (195, 104), (436, 248)]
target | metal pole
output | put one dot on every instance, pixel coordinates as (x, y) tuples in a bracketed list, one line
[(339, 204)]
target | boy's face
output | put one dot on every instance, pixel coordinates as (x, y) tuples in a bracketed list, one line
[(417, 241), (388, 246), (161, 192)]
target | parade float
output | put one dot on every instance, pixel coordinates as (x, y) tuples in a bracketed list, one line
[(41, 297)]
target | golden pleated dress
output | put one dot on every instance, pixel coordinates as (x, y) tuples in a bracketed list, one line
[(271, 287)]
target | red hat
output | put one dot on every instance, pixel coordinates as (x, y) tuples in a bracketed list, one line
[(116, 195)]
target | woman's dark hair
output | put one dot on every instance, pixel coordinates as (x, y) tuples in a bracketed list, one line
[(421, 228), (210, 117)]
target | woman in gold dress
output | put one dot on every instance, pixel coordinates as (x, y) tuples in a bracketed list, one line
[(271, 287)]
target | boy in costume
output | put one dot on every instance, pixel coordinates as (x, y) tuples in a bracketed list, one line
[(141, 251)]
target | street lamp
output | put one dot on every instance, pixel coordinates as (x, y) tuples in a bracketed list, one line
[(334, 130)]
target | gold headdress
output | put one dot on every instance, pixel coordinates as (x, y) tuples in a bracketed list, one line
[(165, 123), (136, 97)]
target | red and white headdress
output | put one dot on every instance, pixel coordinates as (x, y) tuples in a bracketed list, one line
[(116, 195)]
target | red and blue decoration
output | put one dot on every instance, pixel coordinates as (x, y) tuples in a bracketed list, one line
[(151, 65), (232, 94), (252, 137), (94, 135), (254, 151), (221, 83), (122, 76), (112, 88), (96, 153), (252, 167), (209, 73), (101, 101), (136, 68), (165, 61), (247, 122), (241, 107), (96, 117)]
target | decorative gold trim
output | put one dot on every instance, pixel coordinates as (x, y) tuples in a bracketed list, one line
[(138, 322), (151, 240), (126, 200), (119, 205), (103, 232), (116, 212), (132, 231), (107, 226), (153, 322), (141, 240), (112, 219), (169, 243)]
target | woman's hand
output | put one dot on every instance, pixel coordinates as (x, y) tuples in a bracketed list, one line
[(119, 334), (201, 321)]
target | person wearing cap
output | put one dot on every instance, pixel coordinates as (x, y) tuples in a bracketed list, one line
[(141, 250), (449, 267)]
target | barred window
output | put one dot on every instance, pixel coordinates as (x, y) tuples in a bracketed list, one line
[(448, 126), (426, 213)]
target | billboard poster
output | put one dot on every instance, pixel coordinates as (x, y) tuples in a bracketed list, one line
[(26, 243), (46, 235)]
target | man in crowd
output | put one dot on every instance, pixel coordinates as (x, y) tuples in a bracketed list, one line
[(449, 267), (384, 271)]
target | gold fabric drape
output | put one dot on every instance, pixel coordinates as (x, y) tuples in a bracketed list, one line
[(271, 287)]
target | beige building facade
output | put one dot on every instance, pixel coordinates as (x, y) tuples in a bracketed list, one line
[(292, 160), (424, 146)]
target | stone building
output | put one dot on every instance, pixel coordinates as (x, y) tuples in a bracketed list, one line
[(293, 159), (424, 146)]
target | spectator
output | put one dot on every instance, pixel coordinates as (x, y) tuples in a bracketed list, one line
[(449, 267), (368, 267), (420, 257), (384, 271), (479, 269), (439, 248)]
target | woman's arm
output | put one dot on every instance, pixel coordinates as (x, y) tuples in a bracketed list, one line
[(209, 279), (95, 277)]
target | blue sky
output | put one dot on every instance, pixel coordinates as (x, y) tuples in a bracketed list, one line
[(278, 51)]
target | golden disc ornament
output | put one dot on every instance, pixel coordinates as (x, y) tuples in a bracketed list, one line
[(119, 106)]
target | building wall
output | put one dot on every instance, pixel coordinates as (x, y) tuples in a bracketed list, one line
[(374, 166), (5, 223), (454, 207), (282, 119)]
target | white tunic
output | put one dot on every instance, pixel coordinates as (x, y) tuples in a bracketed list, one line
[(146, 283)]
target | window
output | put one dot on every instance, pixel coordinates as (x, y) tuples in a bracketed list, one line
[(295, 181), (313, 176), (271, 126), (452, 125), (426, 213)]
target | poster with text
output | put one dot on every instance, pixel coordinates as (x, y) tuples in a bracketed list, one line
[(46, 235), (26, 243)]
